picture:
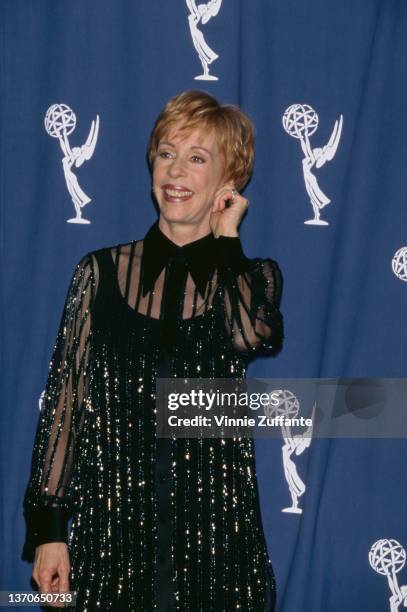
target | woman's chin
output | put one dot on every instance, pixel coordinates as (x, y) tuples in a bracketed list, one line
[(173, 212), (181, 213)]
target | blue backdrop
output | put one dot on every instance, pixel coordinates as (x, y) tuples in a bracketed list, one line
[(336, 72)]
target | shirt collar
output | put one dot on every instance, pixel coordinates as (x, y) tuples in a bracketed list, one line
[(158, 250)]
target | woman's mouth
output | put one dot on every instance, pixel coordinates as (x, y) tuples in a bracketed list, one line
[(176, 194)]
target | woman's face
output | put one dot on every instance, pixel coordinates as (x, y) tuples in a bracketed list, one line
[(187, 174)]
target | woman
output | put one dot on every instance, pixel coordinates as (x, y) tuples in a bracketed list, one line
[(159, 524)]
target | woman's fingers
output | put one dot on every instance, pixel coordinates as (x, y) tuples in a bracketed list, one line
[(59, 584), (64, 581), (45, 581), (51, 570), (221, 198)]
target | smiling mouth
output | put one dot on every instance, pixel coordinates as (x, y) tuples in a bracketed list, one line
[(176, 195)]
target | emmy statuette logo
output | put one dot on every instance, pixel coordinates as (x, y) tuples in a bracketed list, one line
[(301, 121), (60, 122), (388, 557), (41, 401), (399, 263), (289, 407), (199, 16)]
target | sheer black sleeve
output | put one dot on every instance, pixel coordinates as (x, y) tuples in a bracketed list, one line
[(48, 500), (249, 299)]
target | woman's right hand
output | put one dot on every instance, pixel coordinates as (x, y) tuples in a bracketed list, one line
[(51, 569)]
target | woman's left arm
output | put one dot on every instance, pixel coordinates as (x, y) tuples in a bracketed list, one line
[(249, 296), (249, 291)]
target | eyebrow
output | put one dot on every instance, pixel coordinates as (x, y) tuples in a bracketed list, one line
[(165, 142)]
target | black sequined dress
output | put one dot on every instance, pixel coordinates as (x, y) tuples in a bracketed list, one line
[(157, 524)]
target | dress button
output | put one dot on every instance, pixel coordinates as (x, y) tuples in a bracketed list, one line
[(162, 478)]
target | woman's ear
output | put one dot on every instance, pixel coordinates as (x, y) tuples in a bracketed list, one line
[(227, 184)]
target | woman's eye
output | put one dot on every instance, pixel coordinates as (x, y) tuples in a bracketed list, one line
[(164, 154), (198, 159)]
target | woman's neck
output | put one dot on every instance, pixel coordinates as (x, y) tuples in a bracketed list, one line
[(181, 233)]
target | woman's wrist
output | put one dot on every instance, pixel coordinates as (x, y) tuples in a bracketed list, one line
[(230, 254)]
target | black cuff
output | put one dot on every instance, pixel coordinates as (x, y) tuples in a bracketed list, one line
[(230, 254), (45, 525)]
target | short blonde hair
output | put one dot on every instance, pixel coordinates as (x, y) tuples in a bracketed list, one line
[(234, 131)]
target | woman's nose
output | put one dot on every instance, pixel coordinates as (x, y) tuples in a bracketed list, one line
[(176, 168)]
